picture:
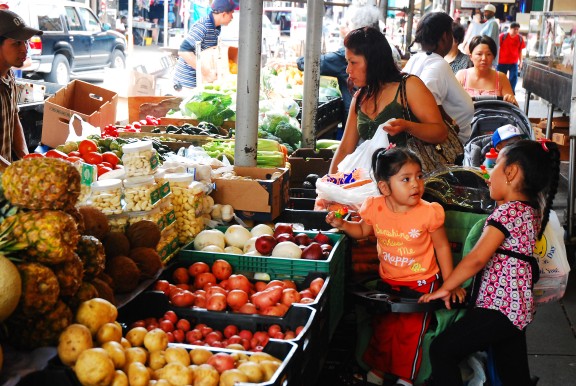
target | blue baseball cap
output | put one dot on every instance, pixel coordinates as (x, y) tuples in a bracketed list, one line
[(219, 6), (504, 133)]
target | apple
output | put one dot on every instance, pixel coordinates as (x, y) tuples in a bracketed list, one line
[(313, 252), (283, 228), (265, 244), (302, 239)]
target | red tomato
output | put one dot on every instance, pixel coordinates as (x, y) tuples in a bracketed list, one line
[(171, 316), (74, 153), (164, 286), (103, 169), (221, 269), (87, 146), (230, 330), (273, 329), (183, 325), (53, 153), (166, 325), (216, 302), (33, 155), (204, 278), (111, 158), (183, 299), (92, 157), (178, 336), (180, 275), (198, 268), (136, 125), (316, 285), (236, 299), (107, 164), (74, 159)]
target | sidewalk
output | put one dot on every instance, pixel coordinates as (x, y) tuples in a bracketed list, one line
[(552, 335)]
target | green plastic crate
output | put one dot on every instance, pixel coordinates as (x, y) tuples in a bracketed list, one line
[(277, 266)]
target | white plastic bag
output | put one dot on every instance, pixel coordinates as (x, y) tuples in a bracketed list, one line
[(550, 251), (81, 130), (362, 156), (351, 197)]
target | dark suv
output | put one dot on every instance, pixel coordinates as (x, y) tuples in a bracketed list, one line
[(73, 40)]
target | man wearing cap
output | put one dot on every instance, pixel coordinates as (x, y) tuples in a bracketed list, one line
[(206, 30), (491, 28), (14, 35)]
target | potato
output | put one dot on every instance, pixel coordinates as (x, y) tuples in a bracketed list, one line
[(230, 377), (269, 368), (136, 336), (156, 360), (94, 367), (109, 332), (176, 373), (156, 340), (262, 356), (199, 356), (135, 354), (125, 343), (177, 355), (138, 374), (252, 371), (96, 312), (120, 379), (116, 352), (206, 375), (73, 340)]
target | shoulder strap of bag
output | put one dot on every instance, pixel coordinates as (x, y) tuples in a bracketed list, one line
[(529, 259), (404, 98)]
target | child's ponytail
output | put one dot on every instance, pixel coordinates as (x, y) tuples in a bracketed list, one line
[(554, 155)]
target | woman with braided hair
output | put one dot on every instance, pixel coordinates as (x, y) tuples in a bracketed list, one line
[(524, 183)]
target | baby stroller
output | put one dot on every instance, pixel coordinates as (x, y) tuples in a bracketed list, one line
[(489, 114)]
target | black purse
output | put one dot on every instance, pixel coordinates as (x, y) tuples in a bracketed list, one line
[(433, 156)]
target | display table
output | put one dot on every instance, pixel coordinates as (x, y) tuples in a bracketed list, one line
[(148, 30)]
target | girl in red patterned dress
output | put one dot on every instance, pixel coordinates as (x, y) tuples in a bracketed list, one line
[(525, 172), (414, 252)]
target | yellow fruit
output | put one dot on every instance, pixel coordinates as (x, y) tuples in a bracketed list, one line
[(10, 288)]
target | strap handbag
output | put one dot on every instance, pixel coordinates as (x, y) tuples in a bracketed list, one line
[(433, 156)]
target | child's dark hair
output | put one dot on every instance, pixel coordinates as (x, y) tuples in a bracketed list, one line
[(388, 162), (540, 163)]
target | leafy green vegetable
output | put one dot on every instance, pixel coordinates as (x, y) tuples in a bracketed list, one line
[(210, 106), (288, 134)]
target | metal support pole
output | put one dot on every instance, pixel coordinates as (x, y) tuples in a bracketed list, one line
[(248, 86), (571, 164), (130, 20), (165, 26), (409, 25), (315, 14)]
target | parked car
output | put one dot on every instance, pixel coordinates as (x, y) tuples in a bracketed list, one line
[(73, 40), (291, 20), (270, 34)]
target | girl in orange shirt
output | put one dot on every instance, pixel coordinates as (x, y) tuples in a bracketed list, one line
[(413, 250)]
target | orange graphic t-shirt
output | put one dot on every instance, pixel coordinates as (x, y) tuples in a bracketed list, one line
[(405, 248)]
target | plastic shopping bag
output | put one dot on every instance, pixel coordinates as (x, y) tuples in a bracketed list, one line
[(80, 129), (362, 156), (550, 252)]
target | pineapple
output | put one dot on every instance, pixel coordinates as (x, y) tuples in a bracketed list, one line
[(51, 235), (69, 274), (42, 183), (10, 281), (40, 289), (91, 252), (39, 331)]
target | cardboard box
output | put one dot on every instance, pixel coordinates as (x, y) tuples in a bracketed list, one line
[(158, 106), (95, 105), (260, 198), (307, 161)]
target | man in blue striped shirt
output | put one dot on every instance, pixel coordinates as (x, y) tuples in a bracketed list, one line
[(205, 30)]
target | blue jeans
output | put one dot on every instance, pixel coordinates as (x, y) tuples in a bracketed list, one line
[(512, 71)]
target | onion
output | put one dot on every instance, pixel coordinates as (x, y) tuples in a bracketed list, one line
[(236, 236), (212, 248), (234, 250), (261, 229), (287, 249), (209, 237), (250, 245)]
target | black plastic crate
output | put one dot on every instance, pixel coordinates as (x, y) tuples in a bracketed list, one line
[(303, 193), (300, 203), (310, 219)]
